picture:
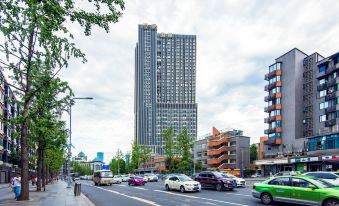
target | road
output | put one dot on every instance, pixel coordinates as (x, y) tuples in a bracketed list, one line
[(153, 193)]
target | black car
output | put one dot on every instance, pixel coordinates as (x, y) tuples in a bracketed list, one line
[(215, 180)]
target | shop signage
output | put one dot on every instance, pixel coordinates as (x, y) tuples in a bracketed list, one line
[(305, 159), (330, 157), (271, 162)]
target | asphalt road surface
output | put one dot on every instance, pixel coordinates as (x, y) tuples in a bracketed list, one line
[(154, 193)]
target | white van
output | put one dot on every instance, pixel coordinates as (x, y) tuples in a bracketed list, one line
[(103, 177)]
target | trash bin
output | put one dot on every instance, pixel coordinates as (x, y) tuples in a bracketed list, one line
[(77, 189)]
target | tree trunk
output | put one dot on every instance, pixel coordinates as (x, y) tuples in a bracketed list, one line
[(43, 176), (24, 127), (39, 170)]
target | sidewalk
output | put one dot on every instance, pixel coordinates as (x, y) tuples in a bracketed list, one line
[(56, 194)]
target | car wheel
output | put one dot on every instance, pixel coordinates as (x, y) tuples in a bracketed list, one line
[(129, 184), (110, 184), (331, 202), (182, 189), (218, 187), (266, 199), (167, 188)]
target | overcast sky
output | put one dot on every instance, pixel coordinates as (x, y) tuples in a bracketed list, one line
[(236, 42)]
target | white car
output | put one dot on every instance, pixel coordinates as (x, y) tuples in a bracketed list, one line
[(151, 177), (117, 179), (331, 177), (182, 183), (124, 178), (240, 181)]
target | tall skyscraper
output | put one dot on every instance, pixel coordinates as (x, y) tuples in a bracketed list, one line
[(165, 85)]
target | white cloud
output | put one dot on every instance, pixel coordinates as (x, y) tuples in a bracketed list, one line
[(236, 41)]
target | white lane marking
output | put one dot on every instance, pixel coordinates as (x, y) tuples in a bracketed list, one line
[(239, 194), (140, 188), (122, 185), (194, 197), (132, 197), (209, 203)]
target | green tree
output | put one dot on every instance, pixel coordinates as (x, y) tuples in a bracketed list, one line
[(253, 152), (145, 155), (119, 159), (36, 35), (198, 166), (136, 155), (184, 148), (169, 148)]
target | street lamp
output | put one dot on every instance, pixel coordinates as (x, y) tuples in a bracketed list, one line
[(70, 139)]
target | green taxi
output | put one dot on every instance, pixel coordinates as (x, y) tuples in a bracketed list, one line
[(303, 190)]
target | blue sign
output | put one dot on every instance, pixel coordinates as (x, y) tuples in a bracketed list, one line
[(105, 167)]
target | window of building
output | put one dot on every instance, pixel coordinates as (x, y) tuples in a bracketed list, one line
[(322, 118), (322, 81), (322, 68), (322, 93), (323, 105)]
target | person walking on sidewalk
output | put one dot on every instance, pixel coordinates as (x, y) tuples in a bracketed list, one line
[(17, 185)]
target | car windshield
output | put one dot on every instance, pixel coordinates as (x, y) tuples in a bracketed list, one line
[(228, 175), (106, 174), (184, 178), (322, 183), (137, 177), (218, 174)]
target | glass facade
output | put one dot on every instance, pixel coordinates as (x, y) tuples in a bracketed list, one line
[(323, 142)]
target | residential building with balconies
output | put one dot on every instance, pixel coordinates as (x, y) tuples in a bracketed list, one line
[(284, 100), (303, 125), (226, 149)]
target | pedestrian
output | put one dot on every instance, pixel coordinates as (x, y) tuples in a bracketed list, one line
[(11, 184), (17, 185)]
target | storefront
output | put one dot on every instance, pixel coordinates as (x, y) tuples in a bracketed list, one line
[(303, 164), (330, 162), (271, 167)]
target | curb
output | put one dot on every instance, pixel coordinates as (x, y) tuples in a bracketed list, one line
[(87, 200)]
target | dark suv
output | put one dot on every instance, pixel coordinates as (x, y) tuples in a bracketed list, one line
[(215, 180)]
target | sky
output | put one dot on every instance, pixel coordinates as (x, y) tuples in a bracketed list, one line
[(236, 42)]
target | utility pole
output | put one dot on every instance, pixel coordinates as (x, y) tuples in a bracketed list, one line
[(69, 183)]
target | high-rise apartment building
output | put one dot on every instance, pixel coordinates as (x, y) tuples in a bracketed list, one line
[(165, 85), (303, 112)]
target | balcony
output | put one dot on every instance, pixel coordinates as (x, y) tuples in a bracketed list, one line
[(217, 160), (321, 87), (273, 118), (217, 151), (330, 109), (277, 72), (272, 107), (218, 142), (331, 96), (273, 85), (331, 68), (330, 123), (225, 166), (274, 130), (273, 96), (275, 141)]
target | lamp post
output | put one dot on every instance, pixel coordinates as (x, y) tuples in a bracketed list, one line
[(69, 183)]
